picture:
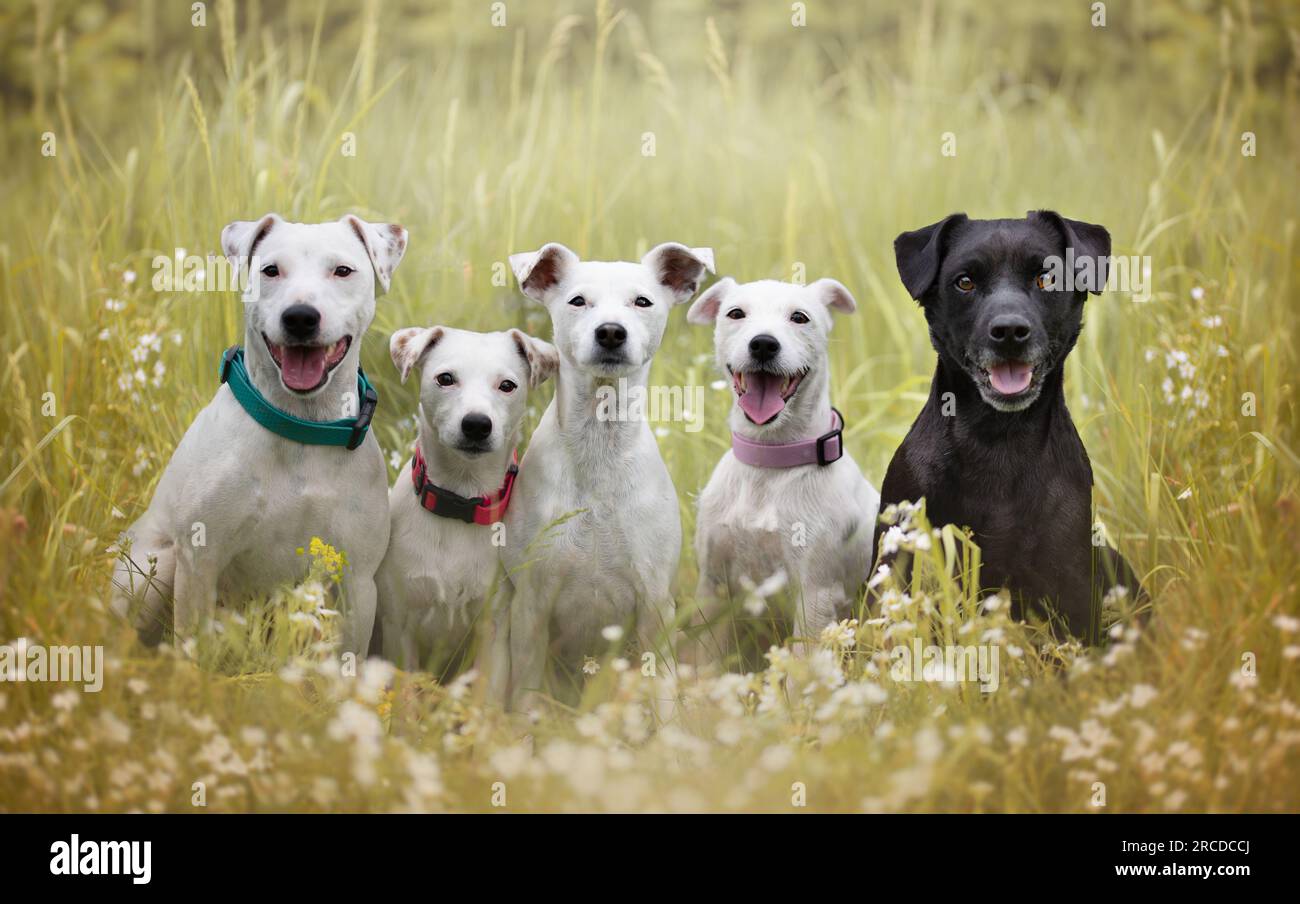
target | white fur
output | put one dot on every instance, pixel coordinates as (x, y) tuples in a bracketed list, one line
[(613, 560), (439, 573), (252, 496), (750, 517)]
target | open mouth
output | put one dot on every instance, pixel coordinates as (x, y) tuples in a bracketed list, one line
[(305, 368), (1010, 378), (763, 395)]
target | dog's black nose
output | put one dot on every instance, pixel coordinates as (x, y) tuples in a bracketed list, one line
[(610, 335), (1009, 329), (764, 347), (301, 321), (477, 427)]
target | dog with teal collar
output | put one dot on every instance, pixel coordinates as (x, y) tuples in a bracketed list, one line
[(283, 453)]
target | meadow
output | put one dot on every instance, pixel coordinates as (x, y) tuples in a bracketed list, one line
[(794, 151)]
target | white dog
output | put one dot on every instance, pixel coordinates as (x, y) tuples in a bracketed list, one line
[(281, 454), (447, 506), (787, 504), (611, 562)]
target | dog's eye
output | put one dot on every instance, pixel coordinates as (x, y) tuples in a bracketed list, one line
[(271, 271), (507, 386), (735, 314), (642, 302), (964, 283), (446, 378), (578, 301), (799, 317), (1044, 280), (342, 270)]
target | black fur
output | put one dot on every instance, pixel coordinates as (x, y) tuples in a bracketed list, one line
[(1020, 479)]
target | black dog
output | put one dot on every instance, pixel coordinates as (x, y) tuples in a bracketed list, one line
[(994, 448)]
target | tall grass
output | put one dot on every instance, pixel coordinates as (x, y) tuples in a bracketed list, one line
[(784, 149)]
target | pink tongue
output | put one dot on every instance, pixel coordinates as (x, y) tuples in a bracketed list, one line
[(761, 399), (302, 367), (1011, 377)]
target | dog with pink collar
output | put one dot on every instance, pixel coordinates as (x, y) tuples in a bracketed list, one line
[(783, 534)]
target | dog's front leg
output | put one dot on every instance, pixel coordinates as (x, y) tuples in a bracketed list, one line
[(814, 608), (494, 653), (399, 643), (359, 596), (529, 641), (195, 590), (655, 629), (821, 608), (712, 634)]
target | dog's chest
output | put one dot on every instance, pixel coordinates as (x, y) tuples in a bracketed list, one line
[(617, 548), (443, 569), (1030, 518), (610, 547), (607, 514), (296, 494), (756, 520)]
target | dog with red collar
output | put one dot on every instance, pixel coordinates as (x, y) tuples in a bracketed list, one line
[(448, 505), (782, 536)]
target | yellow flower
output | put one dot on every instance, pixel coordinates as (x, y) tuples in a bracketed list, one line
[(331, 559)]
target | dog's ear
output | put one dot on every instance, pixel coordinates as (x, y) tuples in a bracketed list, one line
[(540, 271), (831, 292), (239, 239), (1091, 244), (410, 345), (385, 243), (678, 268), (705, 308), (919, 253), (540, 356)]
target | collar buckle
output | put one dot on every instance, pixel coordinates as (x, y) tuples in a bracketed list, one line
[(450, 505), (835, 436), (228, 361), (369, 402)]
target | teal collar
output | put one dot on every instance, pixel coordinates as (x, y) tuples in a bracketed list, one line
[(347, 432)]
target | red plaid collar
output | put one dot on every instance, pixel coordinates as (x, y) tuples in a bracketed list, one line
[(470, 509)]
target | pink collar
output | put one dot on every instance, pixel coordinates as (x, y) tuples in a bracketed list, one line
[(823, 450)]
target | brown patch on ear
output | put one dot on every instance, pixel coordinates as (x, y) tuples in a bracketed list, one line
[(240, 239), (704, 311), (678, 268), (540, 356), (409, 345), (680, 273), (262, 233), (396, 240), (384, 243), (544, 275)]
